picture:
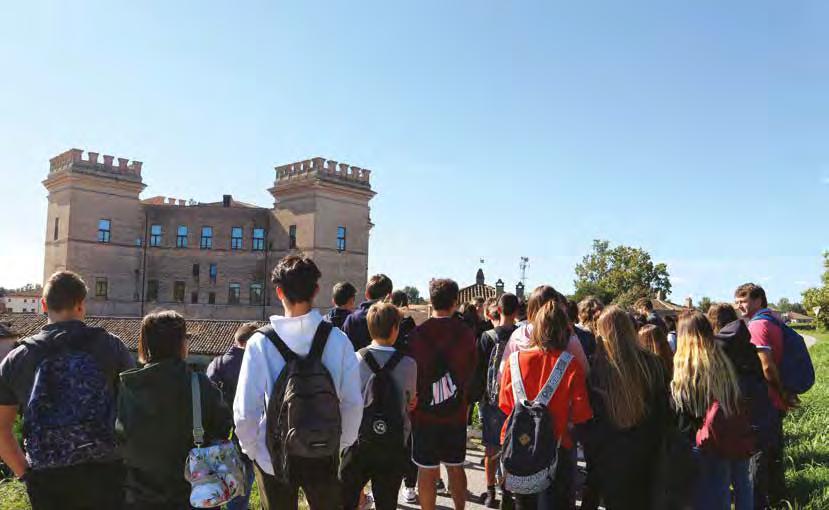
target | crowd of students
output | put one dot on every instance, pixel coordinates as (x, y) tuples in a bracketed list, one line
[(666, 414)]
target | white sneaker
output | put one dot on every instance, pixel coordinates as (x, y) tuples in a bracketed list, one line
[(409, 494)]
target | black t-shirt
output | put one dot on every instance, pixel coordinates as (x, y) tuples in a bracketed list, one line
[(17, 370)]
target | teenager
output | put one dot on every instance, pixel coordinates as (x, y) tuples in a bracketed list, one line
[(58, 473), (644, 306), (629, 396), (343, 296), (585, 336), (155, 416), (296, 283), (444, 349), (670, 323), (407, 323), (653, 338), (223, 371), (375, 457), (378, 288), (569, 404), (703, 376), (491, 346), (768, 338)]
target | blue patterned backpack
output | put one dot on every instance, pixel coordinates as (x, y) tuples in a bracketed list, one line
[(70, 416)]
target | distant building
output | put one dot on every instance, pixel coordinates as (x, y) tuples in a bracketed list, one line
[(206, 260), (22, 302), (480, 289)]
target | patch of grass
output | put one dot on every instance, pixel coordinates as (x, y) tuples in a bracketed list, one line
[(807, 437)]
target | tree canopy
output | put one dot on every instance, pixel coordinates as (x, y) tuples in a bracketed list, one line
[(413, 294), (620, 274), (817, 298), (705, 303)]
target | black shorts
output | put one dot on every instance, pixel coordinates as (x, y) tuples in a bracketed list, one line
[(433, 445)]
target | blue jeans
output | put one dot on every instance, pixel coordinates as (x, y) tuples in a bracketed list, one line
[(241, 502), (716, 475)]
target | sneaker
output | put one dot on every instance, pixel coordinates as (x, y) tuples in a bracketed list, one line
[(488, 499), (409, 495), (368, 504), (439, 485)]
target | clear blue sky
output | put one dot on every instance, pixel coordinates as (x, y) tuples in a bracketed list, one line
[(699, 132)]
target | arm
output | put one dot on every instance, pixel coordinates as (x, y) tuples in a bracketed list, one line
[(219, 419), (212, 372), (125, 359), (10, 451), (249, 403), (770, 372), (351, 397)]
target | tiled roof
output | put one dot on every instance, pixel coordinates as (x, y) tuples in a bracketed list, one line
[(24, 293), (211, 337), (467, 294)]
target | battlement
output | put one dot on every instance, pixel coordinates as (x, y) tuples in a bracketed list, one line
[(321, 168), (73, 159)]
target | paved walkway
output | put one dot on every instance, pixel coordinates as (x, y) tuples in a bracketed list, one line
[(810, 341)]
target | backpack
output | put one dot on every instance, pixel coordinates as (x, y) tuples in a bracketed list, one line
[(70, 415), (303, 416), (493, 382), (382, 424), (530, 452), (729, 437), (797, 373), (443, 396)]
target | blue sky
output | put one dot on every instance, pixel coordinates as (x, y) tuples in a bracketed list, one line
[(495, 130)]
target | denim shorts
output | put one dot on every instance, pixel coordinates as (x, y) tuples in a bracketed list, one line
[(492, 421)]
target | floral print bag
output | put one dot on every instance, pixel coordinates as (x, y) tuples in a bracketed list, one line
[(215, 472)]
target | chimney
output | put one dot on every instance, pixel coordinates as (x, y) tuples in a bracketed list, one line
[(122, 165), (93, 157), (108, 161), (499, 287), (689, 303), (226, 200)]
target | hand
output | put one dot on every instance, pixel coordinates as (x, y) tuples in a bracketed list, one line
[(412, 404)]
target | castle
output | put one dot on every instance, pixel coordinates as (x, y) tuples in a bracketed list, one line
[(205, 260)]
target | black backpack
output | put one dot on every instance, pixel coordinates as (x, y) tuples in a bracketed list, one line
[(303, 417), (493, 382), (382, 425), (530, 452)]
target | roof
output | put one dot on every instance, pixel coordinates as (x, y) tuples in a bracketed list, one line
[(467, 294), (662, 304), (794, 316), (210, 337), (178, 202), (24, 293)]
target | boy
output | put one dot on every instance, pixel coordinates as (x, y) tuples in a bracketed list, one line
[(343, 297), (444, 349), (378, 288), (296, 281), (378, 461), (56, 473)]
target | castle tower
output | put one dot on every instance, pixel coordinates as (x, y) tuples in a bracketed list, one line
[(321, 209), (95, 227)]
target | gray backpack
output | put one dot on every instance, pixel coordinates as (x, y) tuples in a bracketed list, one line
[(303, 417)]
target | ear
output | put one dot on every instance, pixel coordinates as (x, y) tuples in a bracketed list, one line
[(43, 305), (280, 294)]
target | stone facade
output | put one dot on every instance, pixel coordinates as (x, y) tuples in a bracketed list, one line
[(206, 260)]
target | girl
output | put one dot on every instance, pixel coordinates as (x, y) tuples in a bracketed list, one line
[(653, 338)]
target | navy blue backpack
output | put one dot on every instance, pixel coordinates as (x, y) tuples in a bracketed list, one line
[(797, 373), (70, 416)]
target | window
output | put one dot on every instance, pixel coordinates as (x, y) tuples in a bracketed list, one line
[(196, 271), (104, 231), (292, 237), (340, 238), (211, 298), (101, 288), (152, 290), (236, 238), (256, 293), (258, 239), (194, 297), (233, 294), (181, 237), (57, 229), (155, 235), (206, 238), (214, 271), (178, 292)]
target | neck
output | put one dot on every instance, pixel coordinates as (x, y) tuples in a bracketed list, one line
[(442, 313), (381, 342), (507, 321), (296, 309), (62, 317)]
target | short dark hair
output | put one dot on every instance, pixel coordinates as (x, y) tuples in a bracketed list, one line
[(244, 332), (297, 277), (399, 298), (721, 314), (443, 293), (343, 293), (64, 290), (508, 303), (644, 304), (752, 291), (379, 286), (381, 319), (162, 336), (573, 311)]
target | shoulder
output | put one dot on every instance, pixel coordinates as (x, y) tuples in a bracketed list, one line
[(338, 340)]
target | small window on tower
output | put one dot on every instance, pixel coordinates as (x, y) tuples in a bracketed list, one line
[(256, 293), (292, 237), (211, 298), (178, 292), (234, 293), (214, 271), (152, 290), (57, 229), (155, 235), (194, 297), (236, 238), (258, 239), (206, 238), (181, 236), (341, 238), (101, 288), (104, 231)]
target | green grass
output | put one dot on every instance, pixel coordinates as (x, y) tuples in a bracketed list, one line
[(807, 437)]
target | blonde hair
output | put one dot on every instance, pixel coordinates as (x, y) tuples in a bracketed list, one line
[(550, 328), (382, 318), (625, 377), (702, 371)]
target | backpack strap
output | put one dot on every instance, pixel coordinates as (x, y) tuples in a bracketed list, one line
[(375, 367), (550, 387), (518, 391), (287, 354), (198, 429), (320, 339)]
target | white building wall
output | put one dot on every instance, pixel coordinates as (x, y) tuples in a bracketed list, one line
[(22, 304)]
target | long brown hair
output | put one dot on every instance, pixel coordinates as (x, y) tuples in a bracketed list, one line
[(622, 373), (654, 339), (541, 295), (550, 328), (702, 371)]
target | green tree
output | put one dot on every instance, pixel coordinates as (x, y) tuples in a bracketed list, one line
[(621, 274), (816, 299), (704, 304), (413, 294)]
